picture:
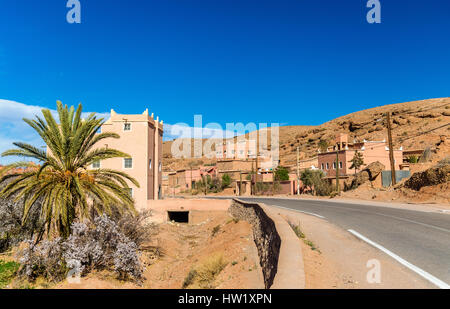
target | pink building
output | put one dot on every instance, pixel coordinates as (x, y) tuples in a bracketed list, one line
[(141, 138), (185, 179), (371, 151)]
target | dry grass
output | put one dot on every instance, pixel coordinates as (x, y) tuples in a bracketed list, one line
[(204, 275)]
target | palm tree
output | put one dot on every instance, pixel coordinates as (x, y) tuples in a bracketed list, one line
[(63, 183)]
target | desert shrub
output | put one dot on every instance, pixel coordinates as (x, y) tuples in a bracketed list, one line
[(314, 179), (189, 278), (101, 245), (226, 181), (44, 259), (137, 227), (204, 274), (261, 187), (296, 229), (323, 188), (281, 174), (12, 231)]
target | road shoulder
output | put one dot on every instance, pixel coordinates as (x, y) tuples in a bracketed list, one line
[(343, 259)]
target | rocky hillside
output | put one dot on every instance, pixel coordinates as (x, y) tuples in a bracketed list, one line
[(416, 125)]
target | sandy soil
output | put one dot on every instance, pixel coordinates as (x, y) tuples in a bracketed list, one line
[(340, 260), (183, 246)]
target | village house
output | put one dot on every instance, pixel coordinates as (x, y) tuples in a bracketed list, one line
[(140, 137), (186, 179), (371, 151)]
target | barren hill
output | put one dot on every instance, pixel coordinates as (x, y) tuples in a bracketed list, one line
[(416, 125)]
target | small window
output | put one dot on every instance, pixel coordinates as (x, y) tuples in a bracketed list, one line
[(328, 166), (96, 164), (128, 163), (160, 166), (334, 165), (150, 164), (127, 126), (322, 166), (340, 164)]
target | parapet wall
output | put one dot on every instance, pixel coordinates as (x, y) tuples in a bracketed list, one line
[(265, 234), (279, 248)]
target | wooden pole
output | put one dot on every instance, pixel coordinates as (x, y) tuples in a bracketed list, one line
[(240, 183), (391, 148), (298, 170), (337, 170)]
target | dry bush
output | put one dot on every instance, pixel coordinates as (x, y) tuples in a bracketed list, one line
[(205, 273), (101, 245)]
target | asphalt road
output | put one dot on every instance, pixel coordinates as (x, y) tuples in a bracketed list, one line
[(420, 238)]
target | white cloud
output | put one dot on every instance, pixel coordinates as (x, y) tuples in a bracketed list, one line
[(13, 128)]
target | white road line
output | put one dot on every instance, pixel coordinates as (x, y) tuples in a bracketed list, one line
[(305, 212), (441, 284)]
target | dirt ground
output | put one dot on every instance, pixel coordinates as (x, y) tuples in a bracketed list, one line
[(439, 194), (182, 247), (339, 260)]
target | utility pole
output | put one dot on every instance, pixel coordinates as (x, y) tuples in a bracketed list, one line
[(298, 171), (252, 189), (273, 182), (240, 183), (337, 170), (391, 149)]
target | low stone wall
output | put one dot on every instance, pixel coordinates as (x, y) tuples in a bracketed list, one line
[(265, 234)]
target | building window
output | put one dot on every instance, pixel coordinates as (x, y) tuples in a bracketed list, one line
[(340, 164), (328, 166), (150, 164), (127, 126), (334, 165), (322, 166), (160, 166), (128, 163), (96, 164)]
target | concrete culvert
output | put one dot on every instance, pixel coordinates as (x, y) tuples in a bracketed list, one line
[(178, 216)]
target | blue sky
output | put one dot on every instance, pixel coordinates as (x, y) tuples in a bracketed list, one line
[(291, 62)]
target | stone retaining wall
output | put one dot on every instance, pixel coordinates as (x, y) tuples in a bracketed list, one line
[(265, 234)]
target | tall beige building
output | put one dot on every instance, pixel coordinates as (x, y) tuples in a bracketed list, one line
[(140, 137)]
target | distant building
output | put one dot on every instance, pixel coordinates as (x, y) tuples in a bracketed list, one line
[(141, 138), (186, 179), (245, 149), (371, 151)]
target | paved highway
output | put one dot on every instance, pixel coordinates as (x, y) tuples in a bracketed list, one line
[(420, 239)]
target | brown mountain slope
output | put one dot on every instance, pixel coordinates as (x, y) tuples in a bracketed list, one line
[(416, 125)]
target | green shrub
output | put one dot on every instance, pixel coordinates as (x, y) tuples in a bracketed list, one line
[(226, 181)]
